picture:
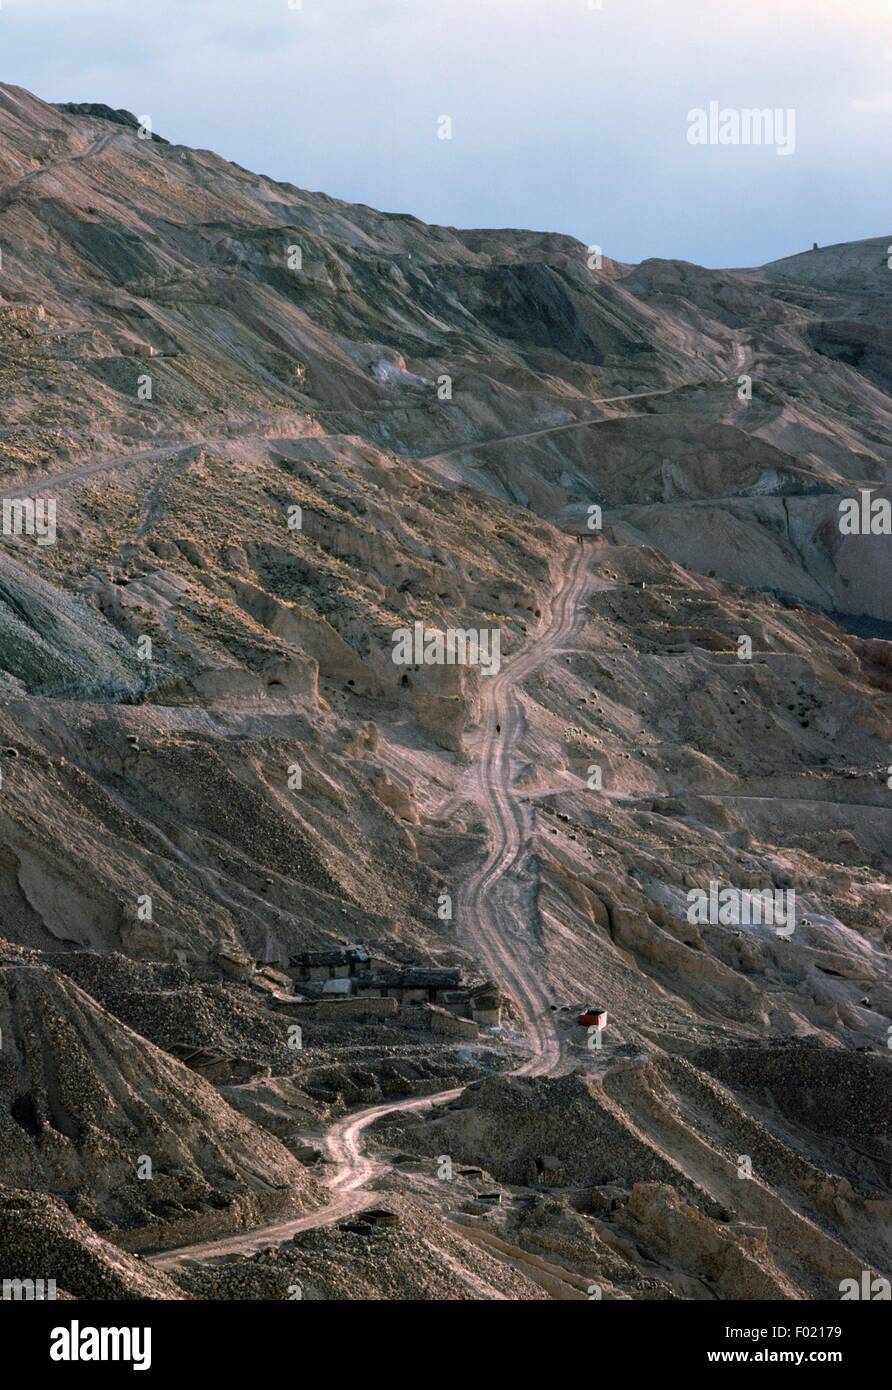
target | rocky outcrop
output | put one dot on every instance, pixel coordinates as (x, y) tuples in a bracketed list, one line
[(132, 1137)]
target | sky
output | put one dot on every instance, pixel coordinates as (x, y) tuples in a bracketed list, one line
[(566, 115)]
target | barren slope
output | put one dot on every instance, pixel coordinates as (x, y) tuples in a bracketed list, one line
[(188, 353)]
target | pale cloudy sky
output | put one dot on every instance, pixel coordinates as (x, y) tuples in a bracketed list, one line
[(566, 116)]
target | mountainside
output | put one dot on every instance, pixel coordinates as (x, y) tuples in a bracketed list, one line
[(278, 429)]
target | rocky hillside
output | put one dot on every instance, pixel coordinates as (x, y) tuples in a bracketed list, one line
[(277, 428)]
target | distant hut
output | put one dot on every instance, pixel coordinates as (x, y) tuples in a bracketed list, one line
[(592, 1017)]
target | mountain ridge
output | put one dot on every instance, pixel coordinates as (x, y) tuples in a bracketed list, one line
[(279, 428)]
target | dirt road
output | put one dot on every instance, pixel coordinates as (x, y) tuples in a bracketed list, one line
[(13, 190), (495, 910), (496, 914), (741, 357), (54, 483)]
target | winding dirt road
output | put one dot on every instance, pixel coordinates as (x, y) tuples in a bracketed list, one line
[(496, 908), (54, 483), (496, 916), (742, 356)]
